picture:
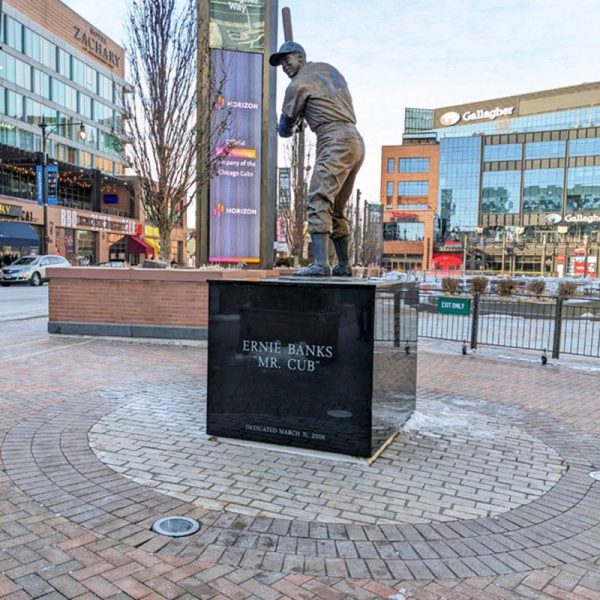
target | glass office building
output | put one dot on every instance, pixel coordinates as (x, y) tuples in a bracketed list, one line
[(44, 77), (57, 68), (519, 179)]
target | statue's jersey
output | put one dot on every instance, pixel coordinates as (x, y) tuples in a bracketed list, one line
[(319, 93)]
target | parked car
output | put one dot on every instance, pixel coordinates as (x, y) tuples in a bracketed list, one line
[(31, 269)]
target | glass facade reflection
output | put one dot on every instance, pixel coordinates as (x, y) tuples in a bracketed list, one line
[(458, 202), (583, 189), (587, 147), (413, 188), (542, 191), (418, 119), (502, 152), (403, 232), (500, 192), (545, 149)]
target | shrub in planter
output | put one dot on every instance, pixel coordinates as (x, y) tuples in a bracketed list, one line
[(536, 287), (567, 289), (450, 285), (479, 285), (507, 287)]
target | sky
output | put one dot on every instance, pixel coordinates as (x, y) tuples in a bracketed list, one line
[(426, 54)]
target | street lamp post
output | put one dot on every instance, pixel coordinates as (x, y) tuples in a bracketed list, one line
[(45, 133)]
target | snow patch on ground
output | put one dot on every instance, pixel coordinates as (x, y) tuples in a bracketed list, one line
[(443, 419)]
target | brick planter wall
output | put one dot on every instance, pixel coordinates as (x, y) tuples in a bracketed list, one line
[(160, 303)]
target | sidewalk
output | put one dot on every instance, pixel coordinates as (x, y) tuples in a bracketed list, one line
[(487, 494)]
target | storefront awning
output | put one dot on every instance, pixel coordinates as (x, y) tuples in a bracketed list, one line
[(138, 246), (18, 234), (446, 261), (154, 244)]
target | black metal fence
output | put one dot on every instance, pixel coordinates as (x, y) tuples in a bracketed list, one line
[(550, 324)]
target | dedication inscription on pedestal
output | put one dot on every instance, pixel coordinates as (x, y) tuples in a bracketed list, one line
[(291, 363)]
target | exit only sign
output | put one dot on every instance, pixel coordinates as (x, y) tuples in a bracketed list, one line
[(454, 306)]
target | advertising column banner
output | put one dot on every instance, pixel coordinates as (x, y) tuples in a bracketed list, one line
[(235, 192), (238, 25)]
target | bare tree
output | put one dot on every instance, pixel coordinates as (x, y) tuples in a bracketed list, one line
[(162, 128), (371, 245), (295, 212)]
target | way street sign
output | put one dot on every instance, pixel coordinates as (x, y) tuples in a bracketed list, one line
[(454, 306)]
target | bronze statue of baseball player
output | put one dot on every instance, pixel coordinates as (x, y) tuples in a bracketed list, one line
[(319, 94)]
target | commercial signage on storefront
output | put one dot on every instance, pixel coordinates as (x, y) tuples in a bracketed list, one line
[(404, 217), (71, 219), (10, 210)]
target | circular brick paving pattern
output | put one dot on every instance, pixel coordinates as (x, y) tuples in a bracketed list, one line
[(449, 464), (47, 456)]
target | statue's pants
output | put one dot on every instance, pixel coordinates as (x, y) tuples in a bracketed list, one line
[(340, 153)]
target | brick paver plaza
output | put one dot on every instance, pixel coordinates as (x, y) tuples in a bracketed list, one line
[(487, 495)]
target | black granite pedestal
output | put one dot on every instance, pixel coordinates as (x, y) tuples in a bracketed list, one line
[(320, 364)]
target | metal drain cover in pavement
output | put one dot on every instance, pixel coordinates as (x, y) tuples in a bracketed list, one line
[(176, 526), (595, 475)]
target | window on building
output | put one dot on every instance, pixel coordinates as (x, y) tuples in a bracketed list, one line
[(542, 191), (85, 159), (583, 189), (66, 154), (404, 232), (13, 33), (458, 202), (85, 105), (545, 149), (390, 165), (104, 165), (84, 75), (105, 88), (64, 63), (33, 43), (585, 147), (103, 114), (390, 189), (41, 83), (413, 165), (502, 152), (35, 113), (500, 192), (48, 54), (413, 188), (8, 135), (14, 105)]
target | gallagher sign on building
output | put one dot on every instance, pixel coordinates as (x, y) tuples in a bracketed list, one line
[(452, 117)]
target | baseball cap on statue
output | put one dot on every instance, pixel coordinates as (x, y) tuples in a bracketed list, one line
[(286, 48)]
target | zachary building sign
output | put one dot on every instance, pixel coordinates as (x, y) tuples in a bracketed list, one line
[(97, 44)]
